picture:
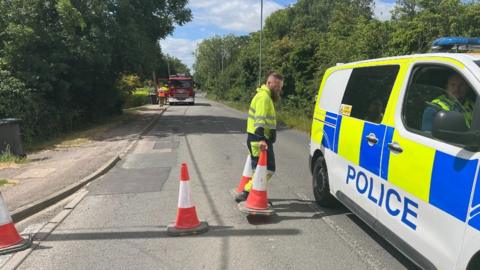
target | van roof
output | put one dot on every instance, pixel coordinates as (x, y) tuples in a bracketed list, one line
[(456, 56)]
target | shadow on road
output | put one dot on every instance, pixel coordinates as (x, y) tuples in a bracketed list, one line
[(177, 122), (203, 124), (203, 104), (215, 231), (294, 209)]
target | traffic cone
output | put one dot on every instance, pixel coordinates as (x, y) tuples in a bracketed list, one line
[(10, 240), (257, 201), (187, 222), (246, 175)]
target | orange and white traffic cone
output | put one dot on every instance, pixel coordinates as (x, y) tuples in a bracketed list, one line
[(10, 240), (257, 201), (246, 176), (187, 222)]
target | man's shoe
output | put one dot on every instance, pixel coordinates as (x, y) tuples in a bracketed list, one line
[(241, 197)]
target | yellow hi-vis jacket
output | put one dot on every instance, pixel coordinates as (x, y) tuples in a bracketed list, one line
[(448, 105), (262, 113)]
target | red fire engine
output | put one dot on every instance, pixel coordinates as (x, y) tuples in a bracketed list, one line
[(181, 89)]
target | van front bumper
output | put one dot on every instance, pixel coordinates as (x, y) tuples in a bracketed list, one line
[(181, 100)]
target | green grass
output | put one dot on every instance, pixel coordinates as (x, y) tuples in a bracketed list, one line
[(8, 157), (6, 182), (81, 135), (294, 120), (85, 133)]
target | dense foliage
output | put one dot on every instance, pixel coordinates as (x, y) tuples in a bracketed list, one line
[(61, 60), (302, 41)]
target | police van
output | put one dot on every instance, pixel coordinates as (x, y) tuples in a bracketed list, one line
[(397, 141)]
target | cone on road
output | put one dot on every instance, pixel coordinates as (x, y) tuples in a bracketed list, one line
[(246, 176), (257, 201), (10, 240), (187, 222)]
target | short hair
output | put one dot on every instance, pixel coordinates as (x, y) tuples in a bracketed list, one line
[(275, 75)]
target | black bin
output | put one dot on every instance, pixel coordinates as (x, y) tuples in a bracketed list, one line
[(10, 137), (153, 98)]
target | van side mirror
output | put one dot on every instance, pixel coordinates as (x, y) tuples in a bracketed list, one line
[(451, 127)]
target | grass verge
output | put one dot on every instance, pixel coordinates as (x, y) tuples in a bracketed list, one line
[(82, 135), (7, 158), (6, 182)]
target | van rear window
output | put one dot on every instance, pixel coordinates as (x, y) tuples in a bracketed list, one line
[(367, 92)]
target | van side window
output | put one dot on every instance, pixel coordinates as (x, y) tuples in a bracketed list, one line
[(368, 90), (433, 88)]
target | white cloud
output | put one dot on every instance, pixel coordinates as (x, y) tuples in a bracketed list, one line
[(180, 48), (383, 9), (232, 15)]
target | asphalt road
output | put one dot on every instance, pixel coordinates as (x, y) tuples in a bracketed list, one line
[(121, 223)]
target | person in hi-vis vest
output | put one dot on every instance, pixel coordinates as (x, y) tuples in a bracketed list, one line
[(455, 99), (163, 94), (262, 126)]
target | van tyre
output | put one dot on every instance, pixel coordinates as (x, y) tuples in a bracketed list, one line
[(321, 189)]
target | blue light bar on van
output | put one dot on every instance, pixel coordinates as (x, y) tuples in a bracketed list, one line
[(456, 44)]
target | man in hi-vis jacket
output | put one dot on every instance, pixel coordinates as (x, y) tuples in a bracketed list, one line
[(262, 125)]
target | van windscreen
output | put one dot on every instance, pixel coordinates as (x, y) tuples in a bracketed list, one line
[(182, 83)]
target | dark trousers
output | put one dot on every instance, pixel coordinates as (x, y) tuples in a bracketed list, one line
[(270, 155)]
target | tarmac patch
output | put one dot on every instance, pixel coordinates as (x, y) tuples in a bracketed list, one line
[(149, 160), (122, 181)]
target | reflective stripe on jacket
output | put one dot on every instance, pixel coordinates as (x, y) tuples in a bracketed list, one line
[(262, 113), (447, 104)]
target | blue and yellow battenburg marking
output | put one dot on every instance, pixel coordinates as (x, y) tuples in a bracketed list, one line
[(442, 180), (331, 131), (385, 197)]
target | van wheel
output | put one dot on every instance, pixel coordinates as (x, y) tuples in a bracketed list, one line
[(321, 189), (474, 262)]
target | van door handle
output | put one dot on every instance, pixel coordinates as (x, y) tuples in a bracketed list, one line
[(371, 138), (395, 147)]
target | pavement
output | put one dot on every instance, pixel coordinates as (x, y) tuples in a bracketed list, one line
[(52, 170), (120, 219)]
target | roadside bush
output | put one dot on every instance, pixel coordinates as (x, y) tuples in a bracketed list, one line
[(137, 97), (17, 101), (127, 83)]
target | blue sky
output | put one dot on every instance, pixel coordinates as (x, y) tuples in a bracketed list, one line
[(239, 17)]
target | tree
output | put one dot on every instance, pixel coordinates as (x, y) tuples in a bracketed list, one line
[(70, 53), (303, 40)]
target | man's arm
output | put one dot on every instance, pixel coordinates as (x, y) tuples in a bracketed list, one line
[(260, 122)]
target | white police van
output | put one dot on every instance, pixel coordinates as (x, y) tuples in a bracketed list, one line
[(397, 141)]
